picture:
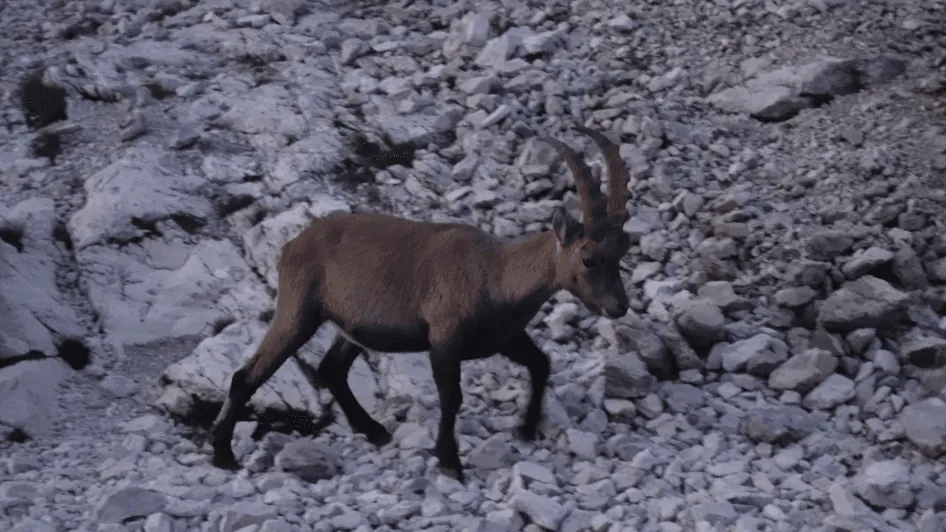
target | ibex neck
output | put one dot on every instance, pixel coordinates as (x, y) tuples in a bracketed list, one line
[(527, 269)]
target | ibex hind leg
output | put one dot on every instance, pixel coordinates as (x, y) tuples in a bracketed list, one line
[(333, 373), (292, 327)]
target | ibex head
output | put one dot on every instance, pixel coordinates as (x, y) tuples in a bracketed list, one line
[(589, 252)]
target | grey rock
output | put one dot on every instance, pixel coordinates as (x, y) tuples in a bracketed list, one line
[(863, 263), (158, 522), (886, 484), (127, 503), (702, 321), (684, 355), (736, 356), (908, 268), (241, 515), (626, 376), (171, 290), (29, 399), (719, 292), (581, 443), (491, 453), (36, 315), (866, 302), (649, 346), (831, 392), (133, 190), (795, 296), (783, 424), (309, 460), (803, 371), (282, 11), (925, 351), (541, 510), (924, 424), (826, 245)]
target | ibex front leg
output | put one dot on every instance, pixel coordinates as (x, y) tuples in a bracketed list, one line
[(522, 350), (445, 364)]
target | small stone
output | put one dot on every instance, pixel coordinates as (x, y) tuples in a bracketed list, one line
[(866, 302), (873, 257), (309, 460), (541, 510), (794, 297), (829, 244), (491, 453), (831, 392), (130, 502), (773, 425), (908, 268), (158, 522), (702, 321), (719, 292), (533, 471), (626, 376), (924, 424), (886, 484), (803, 371), (583, 444), (925, 352), (736, 356)]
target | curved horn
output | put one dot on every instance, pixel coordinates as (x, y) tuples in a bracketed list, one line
[(589, 188), (618, 175)]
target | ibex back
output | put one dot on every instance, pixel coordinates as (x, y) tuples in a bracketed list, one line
[(394, 285)]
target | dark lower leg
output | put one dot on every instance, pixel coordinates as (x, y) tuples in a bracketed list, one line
[(222, 432), (281, 341), (333, 373), (522, 350), (446, 371)]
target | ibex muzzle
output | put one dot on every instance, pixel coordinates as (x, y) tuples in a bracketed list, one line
[(395, 285)]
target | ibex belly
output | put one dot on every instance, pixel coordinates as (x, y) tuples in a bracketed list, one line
[(386, 339)]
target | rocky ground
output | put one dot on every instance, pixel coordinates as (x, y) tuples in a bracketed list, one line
[(784, 366)]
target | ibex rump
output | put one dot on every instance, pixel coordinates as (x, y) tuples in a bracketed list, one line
[(394, 285)]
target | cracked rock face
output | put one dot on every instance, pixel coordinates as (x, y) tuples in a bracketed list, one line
[(782, 368)]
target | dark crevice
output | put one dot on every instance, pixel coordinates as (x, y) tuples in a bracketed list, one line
[(267, 315), (369, 156), (41, 104), (10, 361), (381, 156), (13, 235), (75, 353), (222, 323), (87, 25), (190, 224), (17, 435), (232, 204), (61, 234), (148, 227), (158, 91)]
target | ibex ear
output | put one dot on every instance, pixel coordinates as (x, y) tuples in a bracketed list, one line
[(565, 227)]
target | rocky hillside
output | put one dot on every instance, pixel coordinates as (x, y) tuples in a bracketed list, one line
[(784, 365)]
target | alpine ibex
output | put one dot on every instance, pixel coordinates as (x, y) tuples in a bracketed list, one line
[(395, 285)]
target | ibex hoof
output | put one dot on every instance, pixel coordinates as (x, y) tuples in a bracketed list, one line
[(526, 433), (226, 460), (379, 438), (455, 473)]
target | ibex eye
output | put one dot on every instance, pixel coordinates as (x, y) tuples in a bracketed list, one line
[(590, 263)]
